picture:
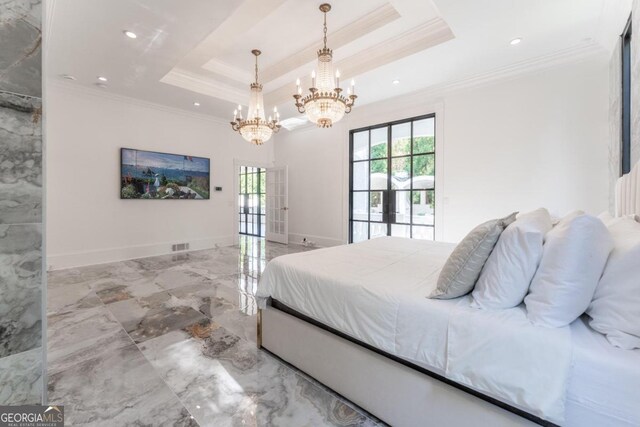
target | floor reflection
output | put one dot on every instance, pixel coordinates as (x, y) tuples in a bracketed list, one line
[(175, 334)]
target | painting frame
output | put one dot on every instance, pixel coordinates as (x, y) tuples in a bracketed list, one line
[(176, 187)]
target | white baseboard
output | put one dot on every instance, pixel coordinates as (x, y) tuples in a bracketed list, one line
[(325, 242), (103, 256)]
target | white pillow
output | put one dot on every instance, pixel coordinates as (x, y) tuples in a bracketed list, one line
[(574, 256), (607, 218), (507, 274), (615, 309)]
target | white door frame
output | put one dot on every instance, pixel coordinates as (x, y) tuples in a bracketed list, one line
[(237, 163)]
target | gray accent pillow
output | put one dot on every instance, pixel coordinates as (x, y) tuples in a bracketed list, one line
[(462, 269)]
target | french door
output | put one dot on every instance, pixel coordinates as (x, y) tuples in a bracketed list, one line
[(392, 180), (251, 201)]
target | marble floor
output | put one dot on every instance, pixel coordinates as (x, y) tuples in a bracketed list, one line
[(170, 340)]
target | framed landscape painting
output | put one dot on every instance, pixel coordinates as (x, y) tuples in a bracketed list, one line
[(153, 175)]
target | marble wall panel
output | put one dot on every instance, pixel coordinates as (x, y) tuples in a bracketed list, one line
[(20, 292), (21, 378), (21, 39), (21, 159), (21, 195)]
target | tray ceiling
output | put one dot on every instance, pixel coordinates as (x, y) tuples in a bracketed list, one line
[(199, 50)]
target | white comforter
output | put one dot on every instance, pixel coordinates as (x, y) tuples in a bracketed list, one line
[(375, 291)]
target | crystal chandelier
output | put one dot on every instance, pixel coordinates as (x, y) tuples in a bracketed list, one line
[(256, 129), (325, 104)]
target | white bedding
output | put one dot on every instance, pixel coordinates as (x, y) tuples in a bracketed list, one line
[(502, 354), (375, 292), (604, 385)]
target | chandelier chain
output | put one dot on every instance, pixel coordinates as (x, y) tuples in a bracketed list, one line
[(325, 30), (256, 68)]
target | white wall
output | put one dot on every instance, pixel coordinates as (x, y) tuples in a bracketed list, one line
[(87, 223), (537, 139)]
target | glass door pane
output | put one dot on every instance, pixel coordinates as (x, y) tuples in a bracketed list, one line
[(393, 180), (359, 206), (251, 201)]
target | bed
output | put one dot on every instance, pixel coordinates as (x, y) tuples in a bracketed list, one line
[(355, 317)]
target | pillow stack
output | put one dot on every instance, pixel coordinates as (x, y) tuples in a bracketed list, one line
[(506, 276), (574, 257), (615, 308), (580, 264)]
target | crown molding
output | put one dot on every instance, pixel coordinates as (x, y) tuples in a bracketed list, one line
[(207, 86), (364, 25), (422, 37), (228, 71), (574, 54), (102, 94), (577, 53)]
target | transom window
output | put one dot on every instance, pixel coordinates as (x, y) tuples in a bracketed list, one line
[(392, 180)]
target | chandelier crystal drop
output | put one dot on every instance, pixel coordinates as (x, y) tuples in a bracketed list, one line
[(255, 128), (325, 104)]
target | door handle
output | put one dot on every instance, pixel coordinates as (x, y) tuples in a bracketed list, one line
[(285, 208)]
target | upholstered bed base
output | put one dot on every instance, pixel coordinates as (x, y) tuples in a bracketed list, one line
[(398, 393)]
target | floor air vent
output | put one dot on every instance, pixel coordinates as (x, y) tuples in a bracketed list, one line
[(180, 247)]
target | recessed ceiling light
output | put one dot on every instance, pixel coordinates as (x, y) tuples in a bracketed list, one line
[(102, 79), (130, 34), (68, 77), (396, 82), (515, 41), (196, 104)]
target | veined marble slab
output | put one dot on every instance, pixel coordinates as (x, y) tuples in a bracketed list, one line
[(65, 298), (152, 316), (20, 288), (20, 158), (224, 380), (117, 388), (81, 335), (21, 378), (20, 56), (194, 323)]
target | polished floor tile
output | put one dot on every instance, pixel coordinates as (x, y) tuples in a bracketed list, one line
[(117, 388), (177, 332), (229, 380), (74, 337)]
